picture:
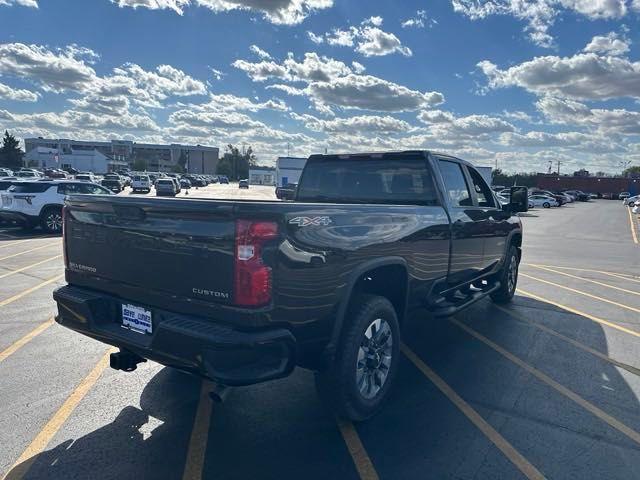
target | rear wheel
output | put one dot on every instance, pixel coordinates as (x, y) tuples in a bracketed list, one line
[(366, 361), (546, 205), (51, 220), (508, 277)]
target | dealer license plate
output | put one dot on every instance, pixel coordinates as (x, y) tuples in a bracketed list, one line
[(136, 318)]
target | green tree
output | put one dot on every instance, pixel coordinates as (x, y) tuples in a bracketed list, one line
[(10, 152), (235, 164), (632, 171)]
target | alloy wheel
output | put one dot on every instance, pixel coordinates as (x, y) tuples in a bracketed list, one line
[(374, 358)]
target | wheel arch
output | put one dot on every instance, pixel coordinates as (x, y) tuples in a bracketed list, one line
[(397, 291)]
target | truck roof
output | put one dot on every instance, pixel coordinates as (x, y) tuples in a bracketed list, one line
[(384, 155)]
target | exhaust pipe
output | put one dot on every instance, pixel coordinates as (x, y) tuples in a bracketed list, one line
[(125, 361), (219, 392)]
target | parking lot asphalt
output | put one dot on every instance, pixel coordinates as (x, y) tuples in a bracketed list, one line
[(547, 387)]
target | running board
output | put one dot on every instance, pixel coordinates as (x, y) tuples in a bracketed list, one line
[(447, 308)]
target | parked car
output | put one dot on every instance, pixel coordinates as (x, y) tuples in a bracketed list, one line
[(166, 186), (560, 199), (86, 177), (55, 173), (623, 195), (631, 201), (141, 183), (369, 231), (33, 203), (5, 172), (243, 184), (544, 201), (113, 182), (223, 179), (287, 192), (185, 183), (27, 174)]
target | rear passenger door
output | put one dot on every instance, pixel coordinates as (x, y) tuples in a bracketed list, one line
[(467, 244), (492, 222)]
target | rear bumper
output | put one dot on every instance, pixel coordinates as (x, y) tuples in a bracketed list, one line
[(190, 343)]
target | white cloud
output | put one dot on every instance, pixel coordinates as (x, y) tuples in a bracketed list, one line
[(261, 71), (17, 94), (175, 5), (53, 71), (611, 44), (312, 68), (517, 115), (358, 67), (368, 39), (420, 20), (617, 121), (582, 76), (261, 53), (540, 15), (283, 12), (24, 3), (366, 92), (315, 68), (231, 103), (357, 124), (317, 39)]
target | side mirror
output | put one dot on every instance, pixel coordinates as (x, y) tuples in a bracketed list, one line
[(519, 199)]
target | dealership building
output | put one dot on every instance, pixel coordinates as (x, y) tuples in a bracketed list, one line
[(122, 153)]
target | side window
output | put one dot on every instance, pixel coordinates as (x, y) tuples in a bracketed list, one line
[(483, 192), (455, 184)]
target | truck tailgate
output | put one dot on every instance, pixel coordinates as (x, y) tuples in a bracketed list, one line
[(183, 248)]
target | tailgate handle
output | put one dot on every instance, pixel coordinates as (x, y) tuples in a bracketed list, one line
[(129, 212)]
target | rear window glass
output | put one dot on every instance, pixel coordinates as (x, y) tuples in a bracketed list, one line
[(30, 187), (165, 182), (392, 179)]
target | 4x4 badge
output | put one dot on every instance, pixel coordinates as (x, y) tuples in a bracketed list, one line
[(307, 221)]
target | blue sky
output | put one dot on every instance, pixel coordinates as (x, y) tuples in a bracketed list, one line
[(520, 83)]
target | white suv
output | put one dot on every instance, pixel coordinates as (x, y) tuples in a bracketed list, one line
[(41, 202)]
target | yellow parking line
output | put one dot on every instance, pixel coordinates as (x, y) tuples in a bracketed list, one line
[(22, 465), (595, 297), (575, 343), (579, 313), (14, 243), (632, 224), (197, 450), (13, 348), (632, 292), (30, 290), (22, 269), (623, 276), (28, 251), (358, 453), (527, 469), (570, 394)]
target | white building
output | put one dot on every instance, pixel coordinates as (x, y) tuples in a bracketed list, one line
[(156, 157), (288, 170), (262, 175), (81, 160)]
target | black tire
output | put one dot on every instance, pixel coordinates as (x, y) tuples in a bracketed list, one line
[(546, 205), (51, 220), (632, 204), (508, 277), (338, 385)]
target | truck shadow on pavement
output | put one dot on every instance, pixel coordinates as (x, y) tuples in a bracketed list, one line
[(280, 430)]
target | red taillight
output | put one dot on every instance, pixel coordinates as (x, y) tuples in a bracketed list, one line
[(64, 239), (252, 285)]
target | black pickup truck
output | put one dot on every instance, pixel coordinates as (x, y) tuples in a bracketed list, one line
[(242, 292)]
